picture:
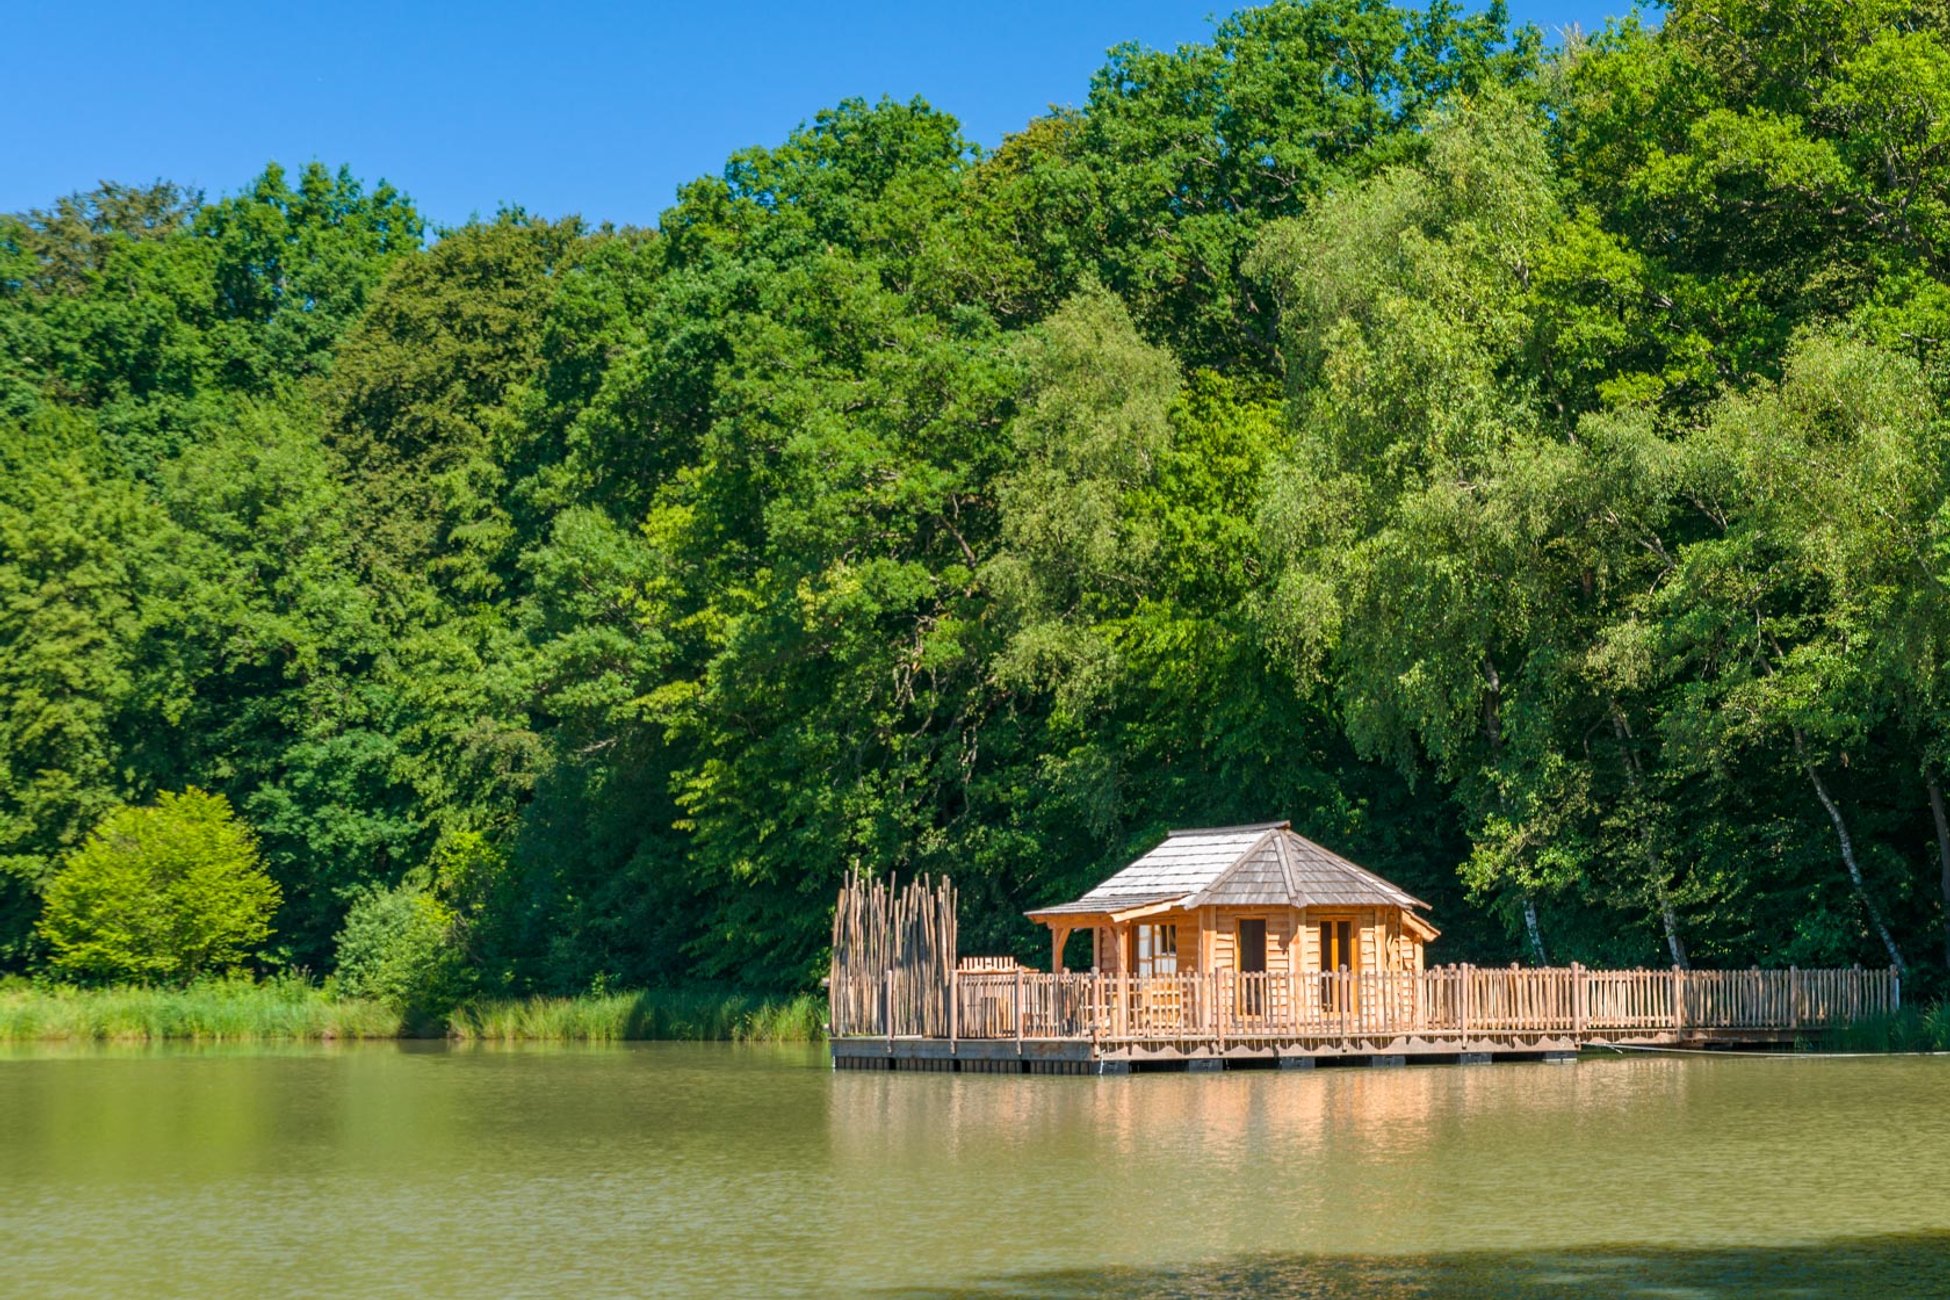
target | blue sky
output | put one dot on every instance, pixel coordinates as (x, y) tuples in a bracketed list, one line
[(597, 108)]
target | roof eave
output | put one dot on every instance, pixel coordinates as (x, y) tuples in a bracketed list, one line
[(1420, 928), (1112, 913)]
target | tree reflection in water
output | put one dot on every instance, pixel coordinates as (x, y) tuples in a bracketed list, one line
[(1859, 1266)]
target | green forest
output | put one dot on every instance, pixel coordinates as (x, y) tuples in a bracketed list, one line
[(1521, 463)]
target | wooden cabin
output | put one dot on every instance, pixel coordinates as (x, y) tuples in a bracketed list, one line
[(1242, 898)]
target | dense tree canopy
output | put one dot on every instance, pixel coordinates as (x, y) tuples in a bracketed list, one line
[(1526, 469)]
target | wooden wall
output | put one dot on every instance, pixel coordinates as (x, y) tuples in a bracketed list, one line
[(1208, 939), (1222, 931), (1286, 939), (1384, 944)]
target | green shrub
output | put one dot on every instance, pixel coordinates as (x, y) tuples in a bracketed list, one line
[(159, 895), (401, 947)]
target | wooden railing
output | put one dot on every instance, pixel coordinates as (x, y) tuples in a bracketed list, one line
[(1453, 1001)]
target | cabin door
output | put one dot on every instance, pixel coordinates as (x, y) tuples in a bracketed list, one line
[(1339, 961), (1252, 967)]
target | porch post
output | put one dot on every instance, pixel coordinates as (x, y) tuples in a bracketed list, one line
[(1120, 942), (1059, 935)]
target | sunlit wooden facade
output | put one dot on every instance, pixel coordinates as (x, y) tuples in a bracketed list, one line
[(1248, 899)]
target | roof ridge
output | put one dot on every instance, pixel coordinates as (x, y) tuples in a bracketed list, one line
[(1286, 868), (1357, 868), (1221, 830)]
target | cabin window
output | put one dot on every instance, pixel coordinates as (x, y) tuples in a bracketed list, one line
[(1337, 946), (1250, 957), (1338, 952), (1252, 946), (1157, 950)]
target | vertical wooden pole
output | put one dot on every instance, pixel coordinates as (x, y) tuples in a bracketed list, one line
[(1096, 1006), (1223, 1003), (1018, 1010), (1678, 1000), (1577, 999), (954, 1010)]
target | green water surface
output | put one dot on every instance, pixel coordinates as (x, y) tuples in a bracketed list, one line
[(715, 1170)]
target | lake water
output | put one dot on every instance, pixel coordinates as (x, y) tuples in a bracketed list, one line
[(716, 1170)]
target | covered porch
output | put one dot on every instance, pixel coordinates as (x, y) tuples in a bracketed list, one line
[(1145, 937)]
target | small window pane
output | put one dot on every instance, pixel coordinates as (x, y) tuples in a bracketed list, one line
[(1157, 950)]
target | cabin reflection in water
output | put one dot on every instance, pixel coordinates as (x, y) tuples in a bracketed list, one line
[(1240, 945), (877, 1120)]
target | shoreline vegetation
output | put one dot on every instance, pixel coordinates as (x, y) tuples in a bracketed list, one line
[(1911, 1029), (293, 1011)]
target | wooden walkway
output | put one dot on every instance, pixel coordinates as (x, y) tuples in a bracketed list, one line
[(1020, 1020)]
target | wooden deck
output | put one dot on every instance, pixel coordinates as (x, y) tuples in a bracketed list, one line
[(997, 1020)]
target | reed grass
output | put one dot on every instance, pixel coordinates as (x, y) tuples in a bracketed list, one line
[(215, 1011), (1912, 1029), (293, 1010), (666, 1015)]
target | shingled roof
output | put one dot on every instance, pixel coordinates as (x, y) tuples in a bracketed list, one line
[(1265, 865)]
